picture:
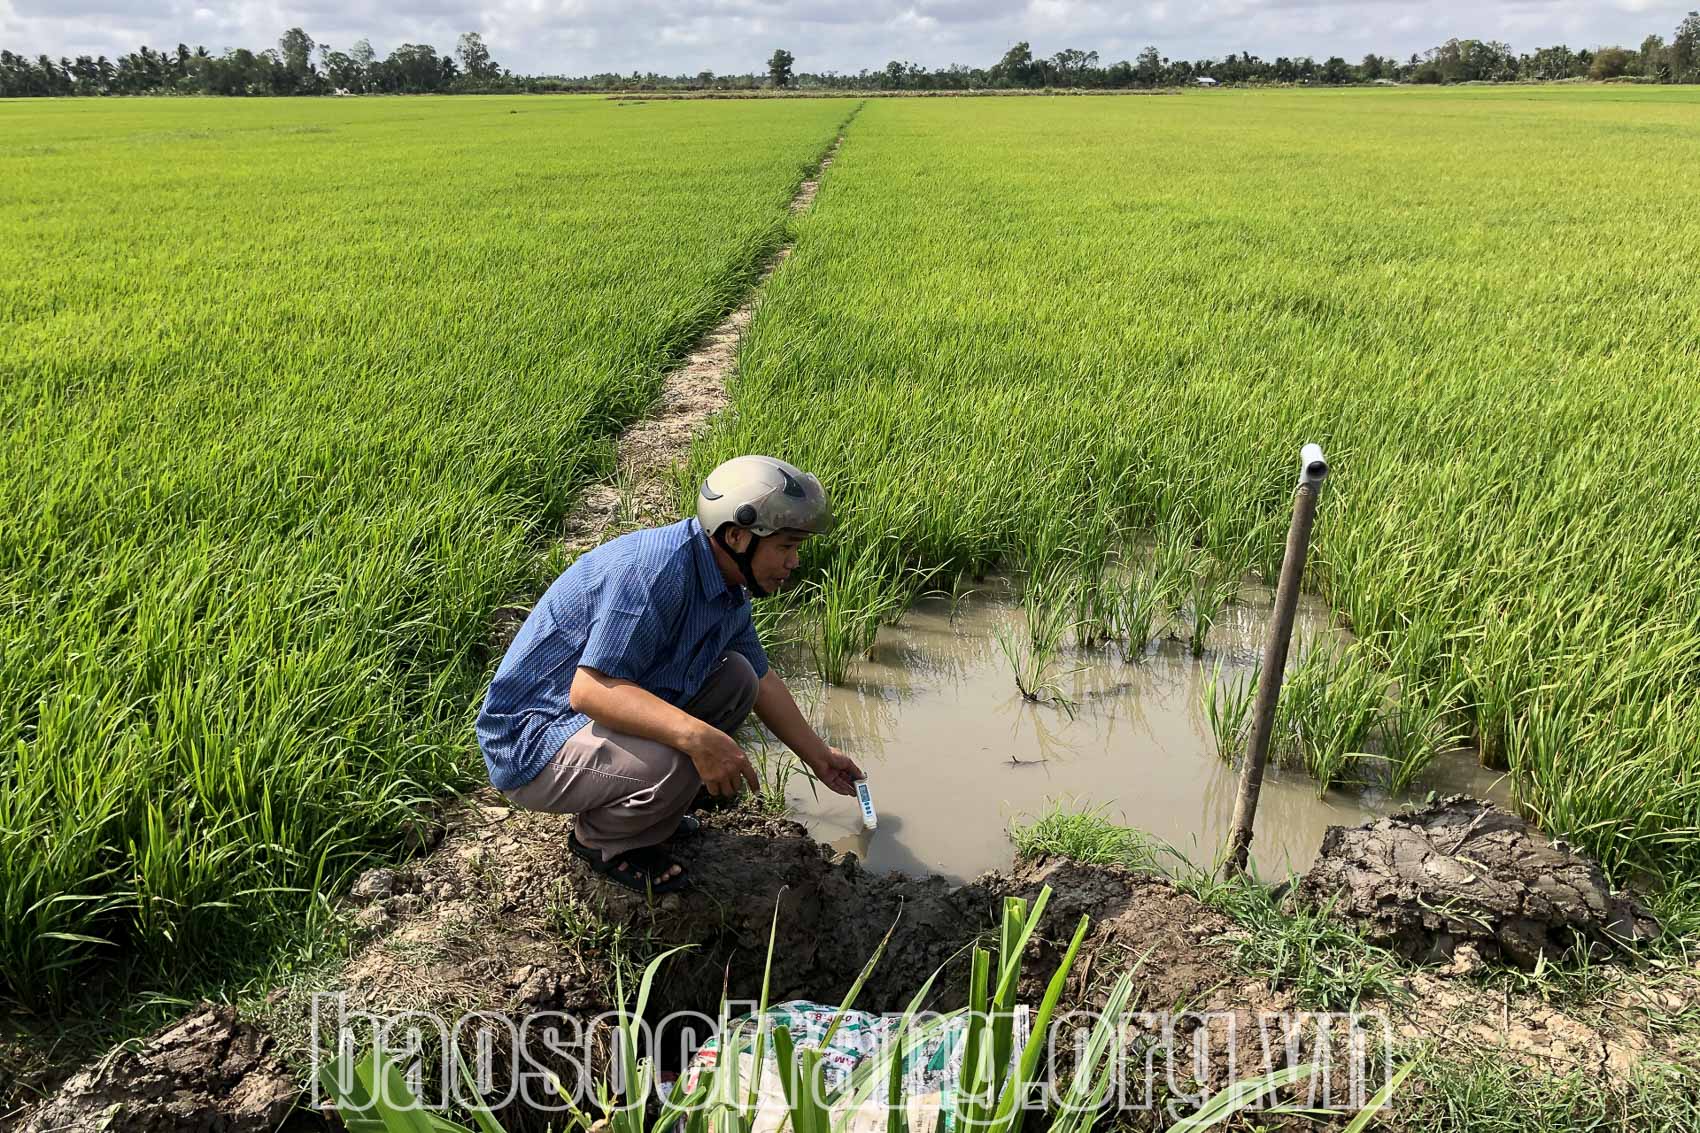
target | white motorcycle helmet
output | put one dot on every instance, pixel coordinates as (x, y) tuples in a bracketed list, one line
[(766, 496)]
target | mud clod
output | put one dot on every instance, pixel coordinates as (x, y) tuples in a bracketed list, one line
[(1465, 872), (373, 885), (208, 1071)]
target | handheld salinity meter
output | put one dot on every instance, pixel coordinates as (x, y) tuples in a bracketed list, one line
[(869, 818)]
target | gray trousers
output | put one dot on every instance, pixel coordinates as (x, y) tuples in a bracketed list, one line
[(630, 792)]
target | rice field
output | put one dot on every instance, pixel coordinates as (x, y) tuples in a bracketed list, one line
[(1044, 332), (292, 395)]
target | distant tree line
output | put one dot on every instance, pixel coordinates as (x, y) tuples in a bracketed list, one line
[(289, 69), (299, 66)]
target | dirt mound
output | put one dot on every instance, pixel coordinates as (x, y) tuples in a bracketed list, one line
[(504, 916), (1463, 871), (208, 1071), (1134, 915), (1188, 997)]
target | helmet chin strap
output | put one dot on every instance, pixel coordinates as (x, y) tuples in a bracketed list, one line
[(745, 560)]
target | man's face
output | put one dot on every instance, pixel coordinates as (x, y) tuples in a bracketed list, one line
[(775, 558)]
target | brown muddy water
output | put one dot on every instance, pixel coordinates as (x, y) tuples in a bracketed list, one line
[(953, 753)]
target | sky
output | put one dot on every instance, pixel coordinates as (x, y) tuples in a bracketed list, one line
[(727, 36)]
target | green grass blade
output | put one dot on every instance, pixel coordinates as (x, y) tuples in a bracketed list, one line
[(1230, 1100), (1382, 1096)]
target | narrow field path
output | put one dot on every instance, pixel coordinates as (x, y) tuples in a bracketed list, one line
[(640, 493)]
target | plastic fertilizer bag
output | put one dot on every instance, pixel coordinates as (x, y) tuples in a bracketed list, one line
[(932, 1064)]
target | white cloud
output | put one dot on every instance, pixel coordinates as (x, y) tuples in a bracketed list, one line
[(685, 36)]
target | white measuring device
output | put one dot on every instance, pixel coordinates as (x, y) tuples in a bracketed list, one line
[(869, 818)]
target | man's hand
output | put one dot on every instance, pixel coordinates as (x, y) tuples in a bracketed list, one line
[(777, 708), (837, 770), (721, 763)]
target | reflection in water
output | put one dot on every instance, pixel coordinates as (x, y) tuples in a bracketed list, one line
[(953, 753)]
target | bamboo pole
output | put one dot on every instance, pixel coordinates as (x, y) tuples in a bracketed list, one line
[(1313, 469)]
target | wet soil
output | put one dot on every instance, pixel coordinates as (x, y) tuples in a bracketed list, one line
[(209, 1071)]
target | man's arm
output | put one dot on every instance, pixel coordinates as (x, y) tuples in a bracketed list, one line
[(623, 706), (778, 709)]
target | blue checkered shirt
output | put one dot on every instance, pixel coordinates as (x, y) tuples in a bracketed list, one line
[(650, 607)]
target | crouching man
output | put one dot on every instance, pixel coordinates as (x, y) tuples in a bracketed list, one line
[(617, 700)]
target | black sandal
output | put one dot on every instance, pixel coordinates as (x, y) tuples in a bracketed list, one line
[(643, 867)]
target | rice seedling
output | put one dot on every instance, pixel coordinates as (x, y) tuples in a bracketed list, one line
[(1210, 586), (1047, 603), (284, 417), (1227, 706)]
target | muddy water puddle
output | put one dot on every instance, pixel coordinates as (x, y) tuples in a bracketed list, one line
[(953, 753)]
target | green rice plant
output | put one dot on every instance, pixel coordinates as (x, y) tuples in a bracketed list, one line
[(1034, 668), (1210, 587), (848, 604), (1033, 657), (1096, 597), (1491, 688), (1403, 312), (1141, 611), (1421, 654), (1326, 712), (1227, 707), (269, 461), (1413, 730), (1175, 563)]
